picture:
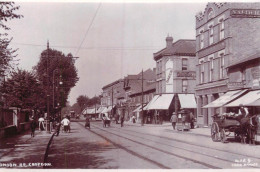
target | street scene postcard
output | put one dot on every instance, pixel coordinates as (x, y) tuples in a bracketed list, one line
[(129, 85)]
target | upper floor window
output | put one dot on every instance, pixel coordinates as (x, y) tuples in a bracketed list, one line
[(210, 14), (222, 69), (210, 34), (184, 64), (201, 37), (211, 67), (221, 29), (184, 85), (202, 73)]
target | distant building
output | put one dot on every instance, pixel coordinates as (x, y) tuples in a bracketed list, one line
[(228, 54), (175, 79)]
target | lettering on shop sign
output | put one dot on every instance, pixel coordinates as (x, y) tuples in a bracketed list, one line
[(169, 76), (255, 73), (235, 84), (247, 13), (188, 74)]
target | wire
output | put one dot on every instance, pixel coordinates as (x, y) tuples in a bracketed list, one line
[(88, 29), (92, 48)]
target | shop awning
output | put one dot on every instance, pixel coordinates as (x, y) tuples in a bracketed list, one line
[(162, 102), (246, 99), (255, 103), (107, 109), (138, 109), (153, 100), (187, 101), (100, 109), (226, 98)]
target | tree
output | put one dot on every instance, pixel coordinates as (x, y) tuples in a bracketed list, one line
[(82, 102), (61, 77), (23, 90), (7, 12)]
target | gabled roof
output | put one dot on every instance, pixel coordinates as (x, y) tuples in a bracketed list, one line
[(180, 47)]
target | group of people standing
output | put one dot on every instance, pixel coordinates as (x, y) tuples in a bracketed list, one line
[(185, 118)]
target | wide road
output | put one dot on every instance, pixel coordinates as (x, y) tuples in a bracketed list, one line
[(135, 147)]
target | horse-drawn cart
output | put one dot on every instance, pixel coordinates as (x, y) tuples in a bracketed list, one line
[(242, 129)]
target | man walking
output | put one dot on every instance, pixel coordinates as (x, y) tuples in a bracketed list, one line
[(65, 122), (173, 120), (33, 126), (122, 120)]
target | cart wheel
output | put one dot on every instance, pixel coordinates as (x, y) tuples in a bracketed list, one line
[(223, 136), (215, 132)]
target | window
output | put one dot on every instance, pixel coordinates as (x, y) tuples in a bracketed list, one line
[(222, 63), (221, 29), (202, 73), (211, 67), (201, 40), (184, 86), (184, 64), (210, 35)]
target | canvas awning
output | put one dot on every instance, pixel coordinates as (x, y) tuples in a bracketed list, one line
[(247, 99), (107, 109), (138, 109), (100, 109), (187, 101), (224, 99), (162, 102), (153, 100), (255, 103)]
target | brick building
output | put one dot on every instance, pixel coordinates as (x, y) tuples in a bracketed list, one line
[(175, 78), (227, 51)]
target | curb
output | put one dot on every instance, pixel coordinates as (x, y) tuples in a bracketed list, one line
[(47, 149)]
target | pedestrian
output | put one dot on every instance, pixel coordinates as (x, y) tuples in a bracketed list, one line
[(87, 124), (173, 120), (58, 125), (183, 120), (65, 122), (191, 120), (122, 120), (133, 119), (33, 126), (41, 123)]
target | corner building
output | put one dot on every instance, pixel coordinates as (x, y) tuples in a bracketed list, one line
[(228, 53)]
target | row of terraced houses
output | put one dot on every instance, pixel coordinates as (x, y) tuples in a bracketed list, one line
[(211, 74)]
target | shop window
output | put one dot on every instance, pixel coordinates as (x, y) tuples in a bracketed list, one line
[(184, 86), (184, 64)]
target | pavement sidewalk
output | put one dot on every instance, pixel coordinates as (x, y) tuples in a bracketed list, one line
[(24, 151), (167, 125)]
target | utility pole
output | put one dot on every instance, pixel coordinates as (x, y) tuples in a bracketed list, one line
[(48, 91), (112, 114), (142, 97)]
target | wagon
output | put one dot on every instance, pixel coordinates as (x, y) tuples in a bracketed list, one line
[(222, 127), (106, 123)]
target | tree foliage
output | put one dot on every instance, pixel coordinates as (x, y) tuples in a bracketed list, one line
[(7, 12), (61, 77), (84, 101), (23, 90)]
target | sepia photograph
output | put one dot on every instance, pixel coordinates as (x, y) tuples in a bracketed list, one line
[(129, 85)]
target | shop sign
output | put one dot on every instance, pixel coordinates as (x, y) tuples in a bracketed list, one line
[(245, 13), (186, 74), (255, 73), (169, 76), (232, 85)]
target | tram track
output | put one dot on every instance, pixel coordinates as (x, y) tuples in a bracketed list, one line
[(183, 141), (193, 150), (124, 148), (148, 146), (222, 158)]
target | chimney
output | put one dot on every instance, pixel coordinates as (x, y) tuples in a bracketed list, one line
[(169, 41)]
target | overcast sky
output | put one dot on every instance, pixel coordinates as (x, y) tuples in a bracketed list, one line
[(119, 40)]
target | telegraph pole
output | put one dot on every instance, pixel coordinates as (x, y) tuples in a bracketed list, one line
[(48, 91), (112, 114), (142, 97)]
